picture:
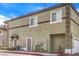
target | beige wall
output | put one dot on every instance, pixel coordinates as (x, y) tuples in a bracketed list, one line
[(44, 16), (3, 37), (74, 27), (40, 33)]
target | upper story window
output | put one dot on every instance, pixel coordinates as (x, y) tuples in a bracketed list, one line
[(6, 25), (1, 33), (53, 17), (56, 16), (33, 21)]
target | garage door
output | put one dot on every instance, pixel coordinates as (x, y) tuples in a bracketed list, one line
[(56, 42), (75, 45)]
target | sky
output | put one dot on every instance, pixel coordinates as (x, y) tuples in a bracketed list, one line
[(13, 10)]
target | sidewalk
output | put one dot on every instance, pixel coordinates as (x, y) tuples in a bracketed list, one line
[(28, 53)]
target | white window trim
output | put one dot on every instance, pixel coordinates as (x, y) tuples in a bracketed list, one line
[(36, 17), (51, 22), (31, 42)]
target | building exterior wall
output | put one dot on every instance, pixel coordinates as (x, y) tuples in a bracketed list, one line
[(74, 31), (40, 33), (43, 16), (3, 37), (74, 24)]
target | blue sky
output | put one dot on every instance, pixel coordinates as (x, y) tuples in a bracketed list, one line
[(18, 9), (12, 10)]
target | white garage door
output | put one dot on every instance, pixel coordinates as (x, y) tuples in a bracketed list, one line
[(76, 46)]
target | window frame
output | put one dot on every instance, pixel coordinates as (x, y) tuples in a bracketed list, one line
[(57, 21), (36, 21)]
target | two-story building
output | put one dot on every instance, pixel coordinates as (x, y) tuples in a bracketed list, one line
[(48, 30)]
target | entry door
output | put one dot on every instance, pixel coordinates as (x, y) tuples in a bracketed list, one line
[(57, 42), (29, 43), (14, 42)]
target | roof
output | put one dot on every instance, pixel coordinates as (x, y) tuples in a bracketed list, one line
[(45, 9)]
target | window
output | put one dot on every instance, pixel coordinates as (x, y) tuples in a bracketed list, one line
[(53, 17), (6, 25), (56, 16), (33, 21), (1, 32)]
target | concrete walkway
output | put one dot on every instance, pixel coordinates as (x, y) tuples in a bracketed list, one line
[(12, 54), (28, 53)]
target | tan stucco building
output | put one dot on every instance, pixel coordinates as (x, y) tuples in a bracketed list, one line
[(49, 30)]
